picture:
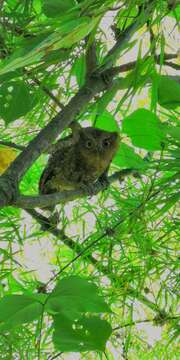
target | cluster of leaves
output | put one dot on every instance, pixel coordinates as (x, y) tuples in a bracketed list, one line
[(72, 304), (134, 240)]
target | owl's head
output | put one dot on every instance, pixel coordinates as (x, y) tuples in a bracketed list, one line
[(96, 142)]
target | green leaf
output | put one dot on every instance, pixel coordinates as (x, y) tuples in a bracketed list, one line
[(108, 96), (18, 309), (67, 35), (168, 92), (127, 158), (171, 201), (175, 13), (126, 16), (57, 7), (106, 121), (73, 296), (173, 131), (9, 76), (79, 70), (15, 100), (144, 129), (57, 56), (84, 334)]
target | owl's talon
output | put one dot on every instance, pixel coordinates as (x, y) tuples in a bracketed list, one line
[(104, 183), (88, 188)]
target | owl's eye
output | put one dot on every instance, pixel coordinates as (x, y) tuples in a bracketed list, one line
[(89, 144), (106, 142)]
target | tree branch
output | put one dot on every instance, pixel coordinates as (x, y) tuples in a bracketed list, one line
[(91, 59), (11, 177), (131, 65), (29, 202), (133, 323), (172, 65)]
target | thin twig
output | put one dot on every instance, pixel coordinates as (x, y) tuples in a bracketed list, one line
[(55, 356), (45, 89), (46, 225), (133, 323)]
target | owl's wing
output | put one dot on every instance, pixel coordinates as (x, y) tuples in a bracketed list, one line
[(54, 167), (47, 175)]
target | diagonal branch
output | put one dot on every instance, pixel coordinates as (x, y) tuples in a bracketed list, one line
[(91, 58), (10, 179), (59, 234)]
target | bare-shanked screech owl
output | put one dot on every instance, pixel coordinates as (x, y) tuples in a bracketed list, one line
[(81, 163)]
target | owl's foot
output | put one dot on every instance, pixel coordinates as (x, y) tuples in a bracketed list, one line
[(104, 182), (88, 188)]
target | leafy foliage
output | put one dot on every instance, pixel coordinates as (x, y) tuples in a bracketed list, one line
[(106, 279), (168, 92), (15, 101), (80, 335), (71, 298), (144, 129)]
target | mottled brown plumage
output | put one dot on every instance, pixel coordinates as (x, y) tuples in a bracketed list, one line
[(81, 163)]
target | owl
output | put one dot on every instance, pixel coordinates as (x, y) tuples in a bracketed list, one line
[(80, 163)]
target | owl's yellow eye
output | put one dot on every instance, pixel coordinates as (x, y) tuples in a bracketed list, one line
[(89, 144), (106, 142)]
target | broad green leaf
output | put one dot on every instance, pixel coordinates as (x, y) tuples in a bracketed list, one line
[(106, 121), (15, 100), (57, 7), (168, 92), (144, 129), (57, 56), (9, 76), (73, 296), (84, 334), (68, 34), (127, 158), (18, 309)]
